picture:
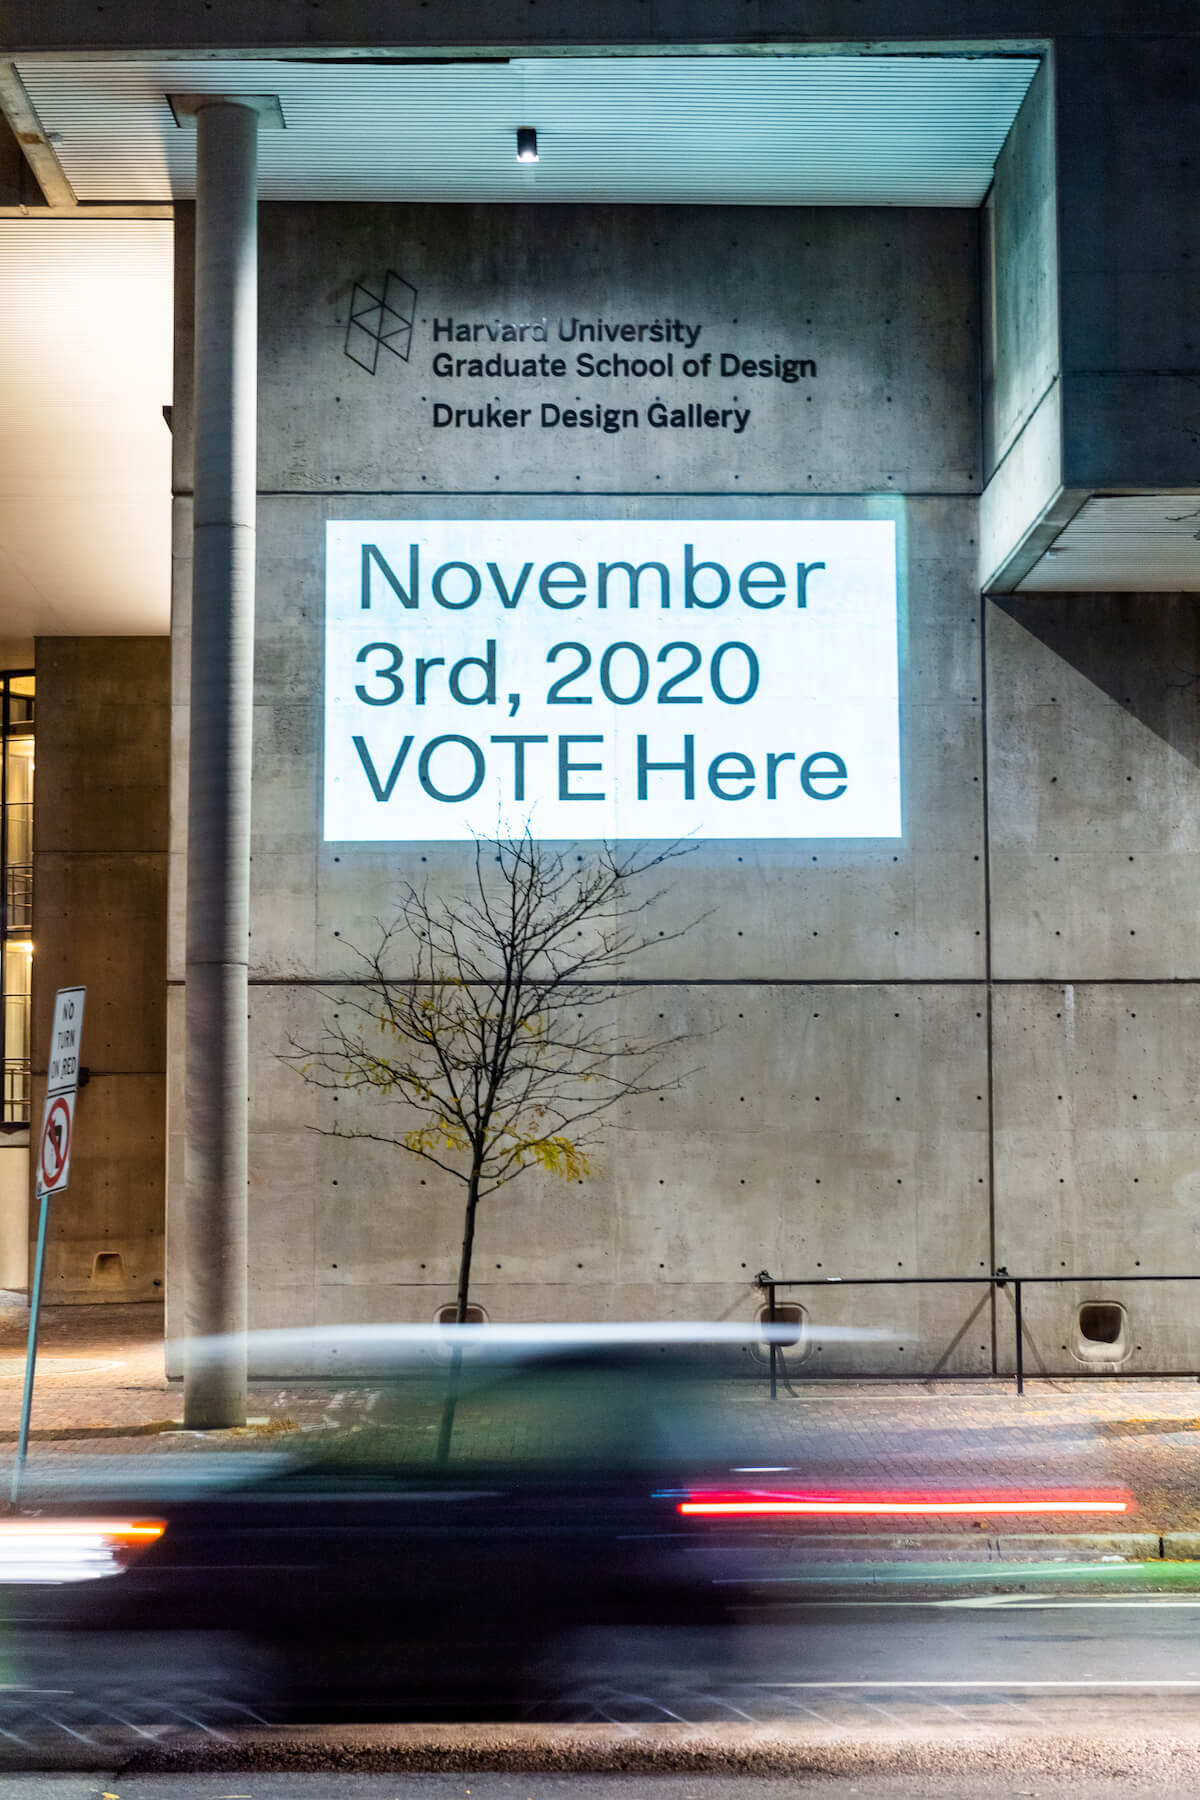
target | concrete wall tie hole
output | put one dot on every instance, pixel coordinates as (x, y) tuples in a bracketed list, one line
[(1101, 1332)]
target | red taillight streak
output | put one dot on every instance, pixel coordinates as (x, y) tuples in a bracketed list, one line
[(865, 1504)]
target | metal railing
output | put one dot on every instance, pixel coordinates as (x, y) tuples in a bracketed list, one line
[(997, 1282)]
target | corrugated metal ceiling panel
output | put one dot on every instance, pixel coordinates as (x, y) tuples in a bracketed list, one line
[(1122, 543), (812, 130)]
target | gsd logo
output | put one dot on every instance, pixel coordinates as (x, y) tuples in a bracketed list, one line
[(380, 320)]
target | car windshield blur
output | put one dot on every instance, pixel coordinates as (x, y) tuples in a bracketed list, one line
[(591, 1413)]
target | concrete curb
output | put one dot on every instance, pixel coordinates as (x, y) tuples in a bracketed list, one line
[(1170, 1752), (979, 1547)]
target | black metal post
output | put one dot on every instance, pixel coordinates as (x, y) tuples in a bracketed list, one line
[(1020, 1338), (771, 1326)]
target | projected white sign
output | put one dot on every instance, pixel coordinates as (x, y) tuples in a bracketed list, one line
[(611, 678)]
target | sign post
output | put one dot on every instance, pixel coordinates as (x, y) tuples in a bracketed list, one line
[(53, 1167)]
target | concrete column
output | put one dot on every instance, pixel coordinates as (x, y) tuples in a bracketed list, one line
[(222, 659)]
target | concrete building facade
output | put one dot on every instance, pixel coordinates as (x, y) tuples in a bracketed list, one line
[(963, 1045)]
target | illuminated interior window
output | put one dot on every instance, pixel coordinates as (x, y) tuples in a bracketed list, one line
[(16, 857)]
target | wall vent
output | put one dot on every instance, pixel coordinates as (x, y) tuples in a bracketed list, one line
[(445, 1315), (791, 1324), (1101, 1332)]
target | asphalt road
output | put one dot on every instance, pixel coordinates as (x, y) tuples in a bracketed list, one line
[(1032, 1643), (1010, 1694)]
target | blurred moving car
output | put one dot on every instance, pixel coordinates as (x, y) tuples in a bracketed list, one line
[(501, 1531)]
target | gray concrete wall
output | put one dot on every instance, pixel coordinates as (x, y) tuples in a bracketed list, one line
[(877, 1084), (1094, 832), (760, 281), (844, 1125), (838, 985), (99, 919)]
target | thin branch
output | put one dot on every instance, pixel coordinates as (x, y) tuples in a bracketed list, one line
[(490, 1019)]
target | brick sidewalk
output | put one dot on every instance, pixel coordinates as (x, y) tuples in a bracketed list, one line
[(101, 1390)]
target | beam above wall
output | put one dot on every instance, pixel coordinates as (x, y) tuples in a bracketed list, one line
[(133, 209), (324, 28), (26, 127)]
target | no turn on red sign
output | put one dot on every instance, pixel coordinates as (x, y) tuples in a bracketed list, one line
[(54, 1150), (62, 1079)]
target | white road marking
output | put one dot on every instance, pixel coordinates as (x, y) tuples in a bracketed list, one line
[(998, 1685), (898, 1605), (49, 1366), (1043, 1603), (1033, 1602)]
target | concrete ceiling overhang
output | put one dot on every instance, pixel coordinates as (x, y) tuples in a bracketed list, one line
[(85, 302), (813, 130)]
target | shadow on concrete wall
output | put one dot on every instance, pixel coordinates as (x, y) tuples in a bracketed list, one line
[(1142, 650)]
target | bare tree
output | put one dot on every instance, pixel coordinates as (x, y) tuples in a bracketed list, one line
[(491, 1022)]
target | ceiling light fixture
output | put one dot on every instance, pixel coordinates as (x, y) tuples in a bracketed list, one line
[(527, 150)]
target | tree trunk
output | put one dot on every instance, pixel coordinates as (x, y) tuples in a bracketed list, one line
[(450, 1404), (468, 1244)]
